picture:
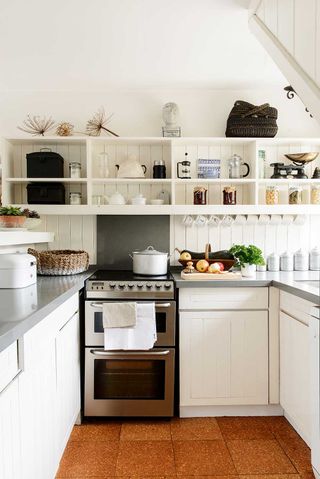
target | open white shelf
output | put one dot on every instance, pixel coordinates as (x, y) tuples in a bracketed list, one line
[(8, 238), (86, 150)]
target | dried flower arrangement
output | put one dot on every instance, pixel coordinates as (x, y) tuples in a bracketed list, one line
[(98, 122), (36, 125), (64, 129)]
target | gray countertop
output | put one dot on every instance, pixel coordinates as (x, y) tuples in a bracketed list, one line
[(305, 284), (23, 308)]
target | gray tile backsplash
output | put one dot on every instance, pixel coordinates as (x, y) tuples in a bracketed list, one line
[(117, 236)]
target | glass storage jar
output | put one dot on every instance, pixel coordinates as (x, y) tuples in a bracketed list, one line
[(273, 262), (315, 195), (200, 195), (286, 261), (75, 198), (272, 195), (75, 169), (295, 195), (229, 195), (301, 260)]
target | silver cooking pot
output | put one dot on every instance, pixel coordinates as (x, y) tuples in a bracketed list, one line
[(149, 262)]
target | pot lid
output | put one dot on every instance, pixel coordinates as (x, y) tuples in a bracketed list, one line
[(16, 260), (149, 251)]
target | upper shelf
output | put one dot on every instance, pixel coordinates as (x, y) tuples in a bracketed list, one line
[(8, 238)]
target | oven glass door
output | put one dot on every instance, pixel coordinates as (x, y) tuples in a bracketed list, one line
[(129, 383), (165, 323)]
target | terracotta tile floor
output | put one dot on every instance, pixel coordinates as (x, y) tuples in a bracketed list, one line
[(197, 448)]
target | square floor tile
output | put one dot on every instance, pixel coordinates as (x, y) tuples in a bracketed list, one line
[(202, 458), (259, 457), (145, 458), (244, 428), (298, 452), (96, 432), (279, 426), (201, 428), (270, 476), (146, 431), (88, 459)]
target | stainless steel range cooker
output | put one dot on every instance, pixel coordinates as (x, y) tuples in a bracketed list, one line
[(129, 383)]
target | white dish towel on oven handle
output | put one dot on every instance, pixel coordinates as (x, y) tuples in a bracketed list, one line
[(140, 337)]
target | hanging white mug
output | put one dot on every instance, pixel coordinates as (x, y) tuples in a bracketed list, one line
[(214, 220), (187, 220), (200, 220), (240, 220)]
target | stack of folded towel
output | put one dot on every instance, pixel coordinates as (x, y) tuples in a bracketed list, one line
[(129, 326)]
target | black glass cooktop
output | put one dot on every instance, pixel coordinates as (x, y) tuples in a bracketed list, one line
[(125, 275)]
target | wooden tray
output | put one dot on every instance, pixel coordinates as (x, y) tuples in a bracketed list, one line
[(225, 275)]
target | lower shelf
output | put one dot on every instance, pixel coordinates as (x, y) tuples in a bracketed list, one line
[(8, 238), (175, 209)]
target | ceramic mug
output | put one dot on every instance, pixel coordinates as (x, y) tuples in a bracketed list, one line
[(227, 220), (240, 220), (287, 219), (187, 220), (252, 219), (275, 220), (300, 220), (200, 220), (214, 220), (264, 220)]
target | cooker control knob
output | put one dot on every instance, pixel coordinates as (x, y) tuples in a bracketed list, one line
[(121, 285), (140, 285), (130, 285), (112, 285), (167, 285), (158, 285), (149, 285)]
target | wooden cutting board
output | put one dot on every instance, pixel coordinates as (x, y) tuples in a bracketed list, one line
[(225, 275)]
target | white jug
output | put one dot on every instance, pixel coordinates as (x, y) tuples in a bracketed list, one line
[(131, 168), (116, 199)]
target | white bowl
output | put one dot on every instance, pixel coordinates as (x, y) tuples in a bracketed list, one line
[(157, 202), (138, 201)]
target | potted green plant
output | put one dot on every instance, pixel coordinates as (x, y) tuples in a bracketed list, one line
[(248, 257), (11, 217), (32, 219)]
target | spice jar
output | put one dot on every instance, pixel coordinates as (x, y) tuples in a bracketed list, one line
[(273, 262), (229, 195), (200, 195), (272, 195), (286, 261), (314, 257), (295, 195), (75, 198), (75, 169), (301, 260), (315, 195)]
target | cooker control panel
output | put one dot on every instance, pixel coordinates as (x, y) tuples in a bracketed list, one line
[(149, 288)]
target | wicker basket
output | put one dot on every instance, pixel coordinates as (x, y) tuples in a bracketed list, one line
[(227, 263), (60, 262), (247, 120)]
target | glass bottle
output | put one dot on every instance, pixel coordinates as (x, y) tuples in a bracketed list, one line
[(295, 195), (272, 195), (262, 163), (200, 195), (75, 169), (75, 198), (229, 195), (315, 195)]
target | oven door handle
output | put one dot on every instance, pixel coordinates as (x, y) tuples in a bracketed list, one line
[(131, 354), (157, 305)]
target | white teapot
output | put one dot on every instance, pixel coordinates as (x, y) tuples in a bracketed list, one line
[(131, 168), (116, 199)]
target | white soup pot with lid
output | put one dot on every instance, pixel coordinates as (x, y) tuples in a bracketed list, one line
[(150, 262)]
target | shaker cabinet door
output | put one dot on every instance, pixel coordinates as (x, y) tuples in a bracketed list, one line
[(223, 358)]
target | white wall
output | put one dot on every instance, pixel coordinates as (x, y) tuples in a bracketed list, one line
[(203, 112)]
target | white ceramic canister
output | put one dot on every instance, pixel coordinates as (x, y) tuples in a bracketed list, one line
[(301, 260), (273, 262), (286, 261), (314, 258)]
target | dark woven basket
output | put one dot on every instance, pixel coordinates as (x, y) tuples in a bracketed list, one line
[(247, 120)]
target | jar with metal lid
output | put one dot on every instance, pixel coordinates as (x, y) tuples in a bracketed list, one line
[(315, 195), (75, 169), (286, 261), (75, 198), (314, 258), (200, 195), (229, 195), (295, 195), (159, 169), (272, 195), (301, 260), (273, 262)]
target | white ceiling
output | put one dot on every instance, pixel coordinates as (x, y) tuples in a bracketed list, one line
[(102, 44)]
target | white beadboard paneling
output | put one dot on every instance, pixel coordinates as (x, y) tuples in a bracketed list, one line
[(271, 15), (286, 24), (317, 48), (305, 35)]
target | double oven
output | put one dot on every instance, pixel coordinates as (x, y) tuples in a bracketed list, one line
[(129, 382)]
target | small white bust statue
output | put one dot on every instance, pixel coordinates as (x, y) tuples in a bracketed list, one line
[(170, 112)]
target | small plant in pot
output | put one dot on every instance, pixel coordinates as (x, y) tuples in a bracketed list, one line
[(11, 217), (32, 219), (248, 257)]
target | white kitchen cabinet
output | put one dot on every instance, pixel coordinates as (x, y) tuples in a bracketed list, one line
[(10, 449), (223, 358), (49, 390), (68, 379), (295, 388)]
